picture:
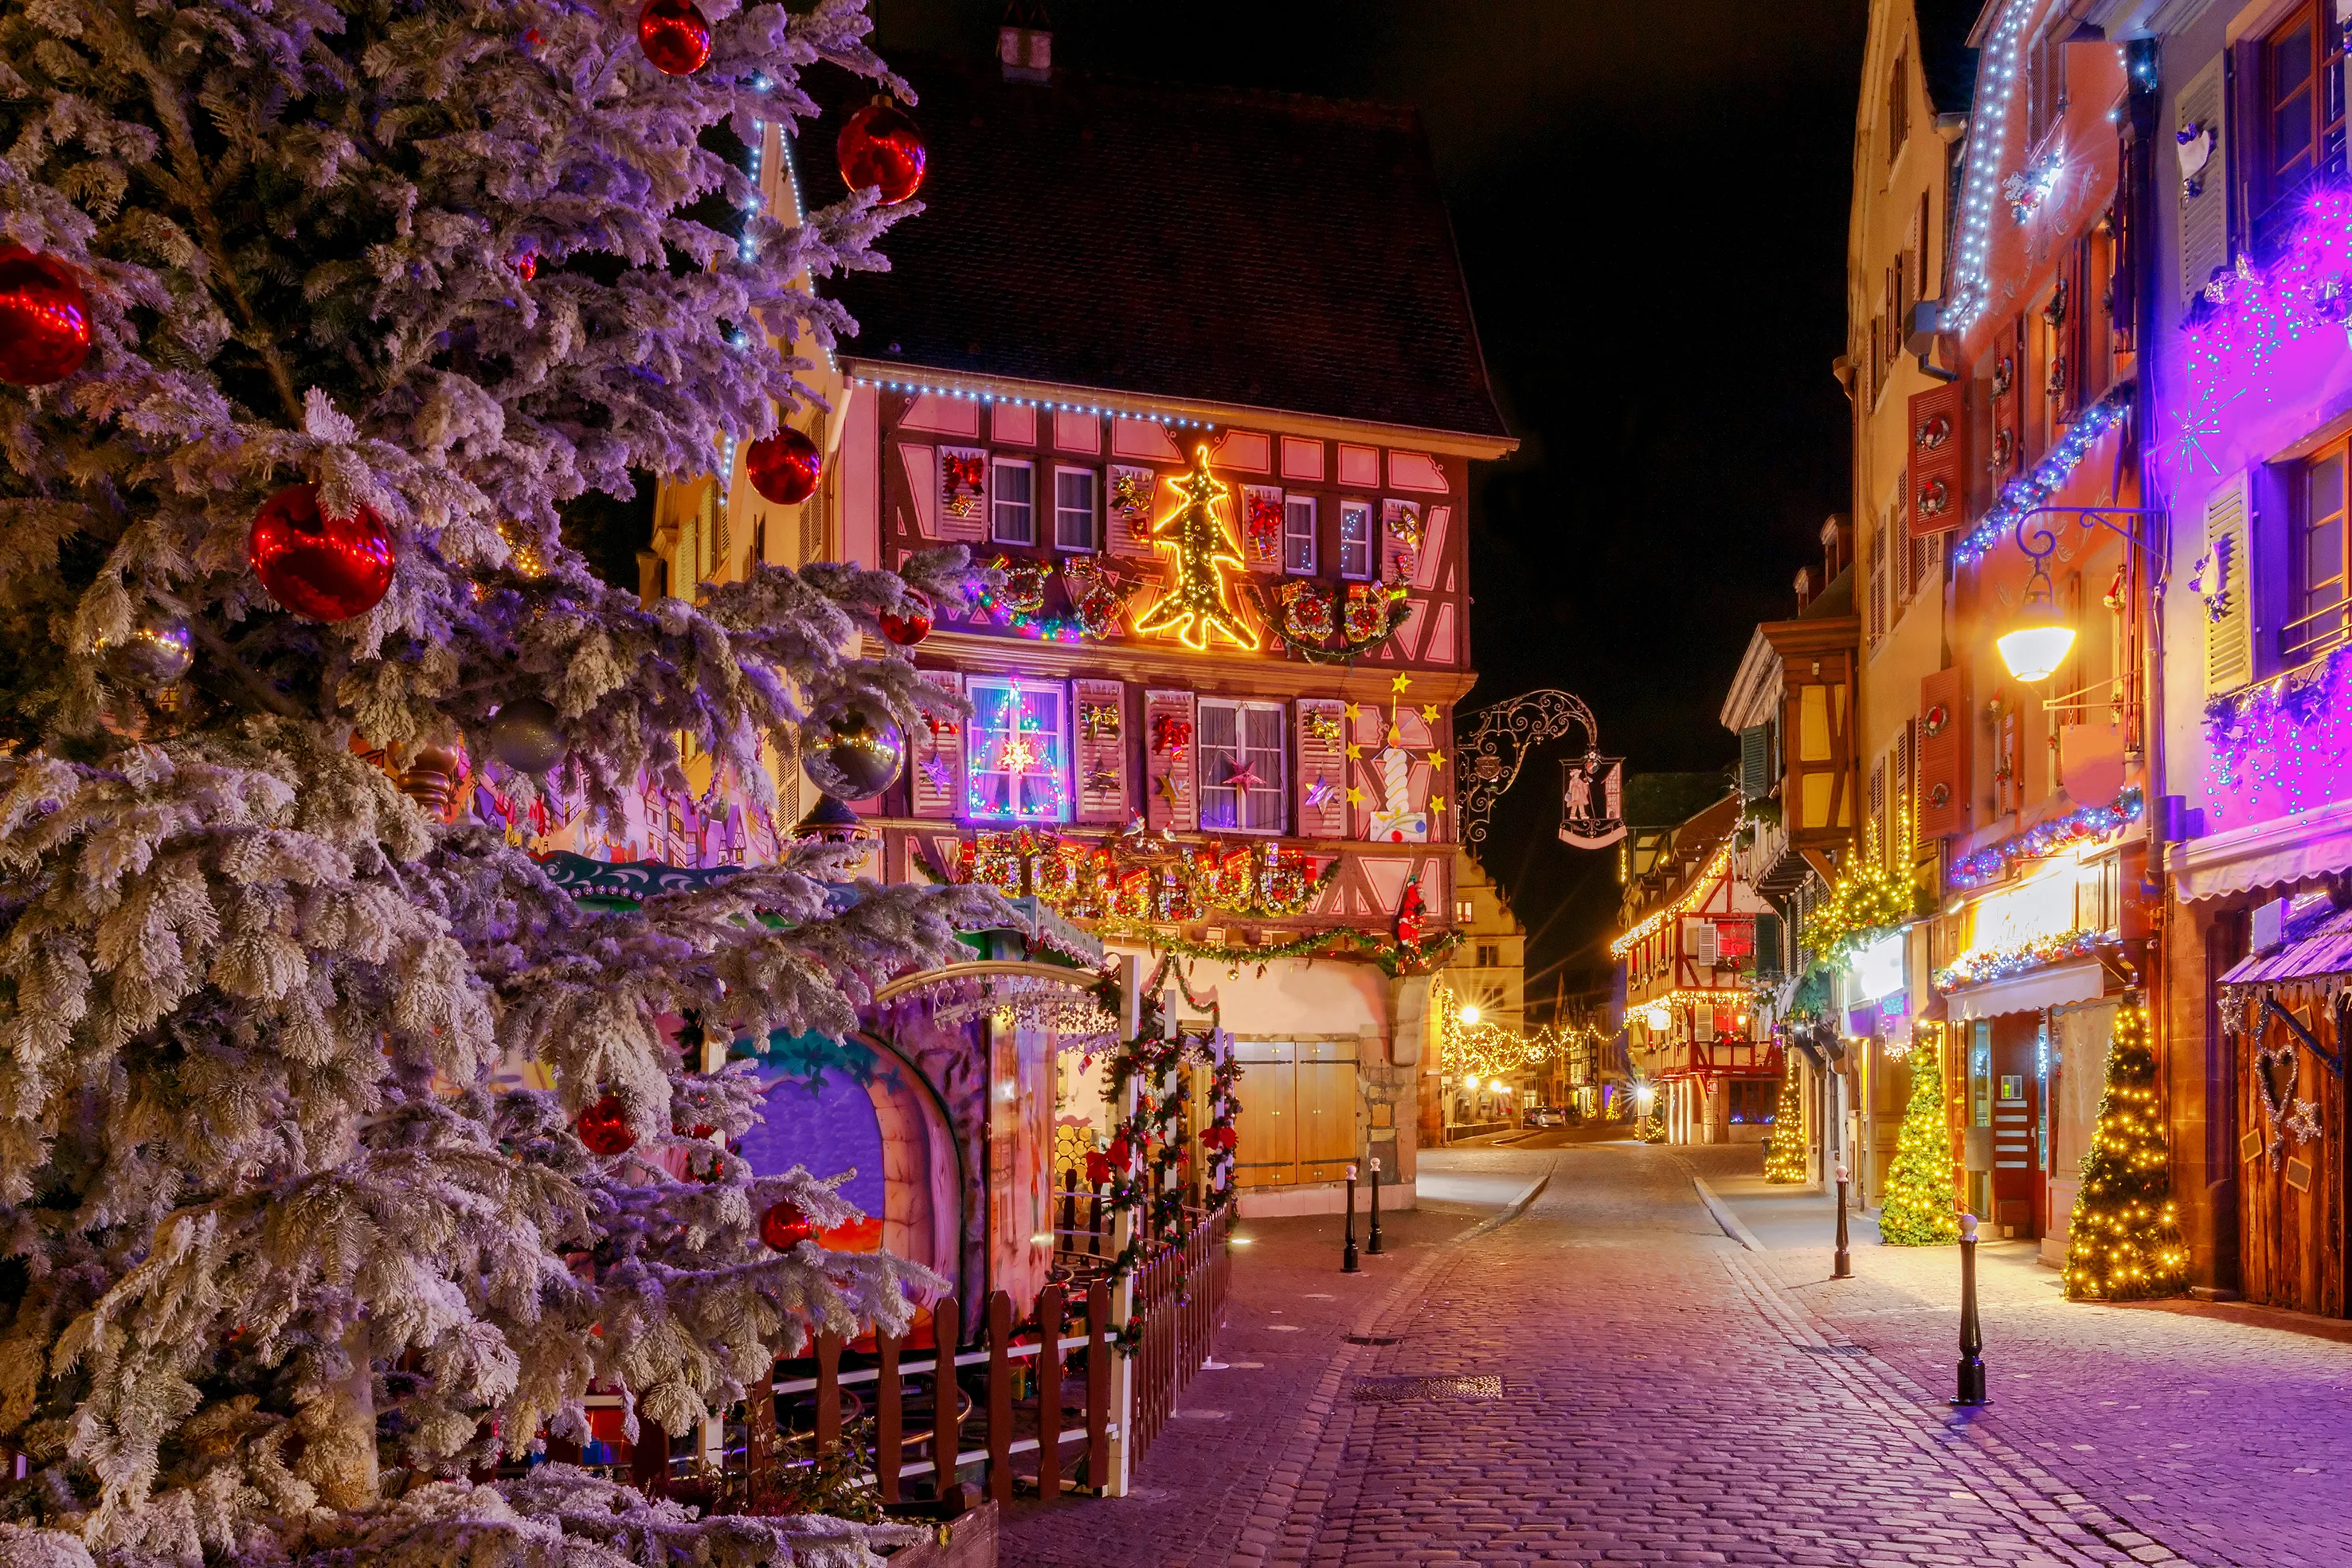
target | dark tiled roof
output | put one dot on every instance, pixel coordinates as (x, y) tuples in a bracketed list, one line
[(1945, 58), (1221, 245)]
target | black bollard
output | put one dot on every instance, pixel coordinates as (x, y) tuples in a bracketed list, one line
[(1845, 1269), (1972, 1373), (1348, 1263), (1375, 1248)]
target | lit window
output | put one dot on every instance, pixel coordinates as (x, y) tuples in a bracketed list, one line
[(1355, 538), (1242, 777), (1298, 533), (1074, 508), (2320, 560), (1016, 749), (1014, 516)]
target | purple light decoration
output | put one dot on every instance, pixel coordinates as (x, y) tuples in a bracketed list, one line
[(1991, 864), (2021, 495), (2281, 746), (2273, 329)]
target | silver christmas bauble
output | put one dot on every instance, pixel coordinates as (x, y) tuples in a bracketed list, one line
[(854, 756), (524, 735), (156, 654)]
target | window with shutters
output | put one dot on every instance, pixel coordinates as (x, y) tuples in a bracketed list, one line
[(2299, 119), (1355, 539), (1489, 957), (1878, 806), (1880, 533), (1075, 490), (2045, 71), (1242, 777), (1013, 518), (1016, 749), (1898, 108), (1298, 534), (2203, 151), (1755, 762), (2322, 615)]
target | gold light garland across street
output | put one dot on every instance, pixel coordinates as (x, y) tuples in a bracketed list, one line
[(1487, 1050), (1689, 900), (1142, 876)]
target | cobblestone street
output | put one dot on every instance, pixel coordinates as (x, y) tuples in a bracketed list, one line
[(1670, 1394)]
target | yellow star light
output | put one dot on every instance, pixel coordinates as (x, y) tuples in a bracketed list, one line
[(1353, 711), (1437, 802), (1355, 797), (1428, 713), (1355, 752), (1397, 684), (1436, 758)]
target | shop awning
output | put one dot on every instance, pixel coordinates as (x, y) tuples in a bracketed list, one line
[(2276, 853), (2081, 981), (2325, 948)]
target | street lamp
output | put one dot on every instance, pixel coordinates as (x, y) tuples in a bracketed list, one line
[(2038, 643), (1659, 1017)]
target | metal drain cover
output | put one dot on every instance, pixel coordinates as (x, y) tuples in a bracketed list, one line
[(1834, 1349), (1424, 1390), (1373, 1338)]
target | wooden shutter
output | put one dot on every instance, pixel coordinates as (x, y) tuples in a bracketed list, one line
[(1100, 750), (1767, 947), (963, 492), (1322, 770), (1171, 751), (2203, 201), (935, 775), (1755, 762), (1943, 765), (1938, 486), (2230, 612)]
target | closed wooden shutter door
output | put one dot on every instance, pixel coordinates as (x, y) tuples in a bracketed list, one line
[(1943, 765), (2204, 215), (2229, 633), (1170, 748), (1938, 483), (1322, 768), (1755, 762), (1768, 947), (1326, 1109), (1267, 1127), (1101, 750), (936, 779)]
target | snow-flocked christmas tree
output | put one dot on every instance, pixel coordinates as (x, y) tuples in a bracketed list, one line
[(280, 1269)]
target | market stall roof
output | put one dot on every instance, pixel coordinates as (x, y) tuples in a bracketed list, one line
[(2318, 944)]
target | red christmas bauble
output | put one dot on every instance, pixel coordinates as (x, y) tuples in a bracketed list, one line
[(913, 626), (44, 319), (784, 1227), (676, 37), (527, 266), (604, 1127), (328, 568), (785, 468), (882, 146)]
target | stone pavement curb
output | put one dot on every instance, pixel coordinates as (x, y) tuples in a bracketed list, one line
[(2009, 1483), (1732, 1225), (1276, 1531)]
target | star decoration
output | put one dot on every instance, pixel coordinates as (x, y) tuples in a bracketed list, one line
[(1165, 786), (1397, 684), (1320, 793), (1437, 802), (1354, 751), (1436, 758), (1355, 796), (936, 773), (1428, 713), (1243, 776), (1353, 711)]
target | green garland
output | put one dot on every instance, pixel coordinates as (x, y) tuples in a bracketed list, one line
[(1393, 957)]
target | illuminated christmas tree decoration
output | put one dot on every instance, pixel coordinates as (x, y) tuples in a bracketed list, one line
[(1196, 609), (1919, 1210), (1784, 1154), (2124, 1243), (1015, 753)]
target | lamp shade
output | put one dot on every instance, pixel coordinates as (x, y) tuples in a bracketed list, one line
[(2037, 646)]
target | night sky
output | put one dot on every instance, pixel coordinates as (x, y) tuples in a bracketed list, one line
[(1651, 204)]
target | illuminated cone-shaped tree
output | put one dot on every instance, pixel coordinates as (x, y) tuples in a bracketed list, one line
[(291, 1254), (2125, 1240), (1785, 1160), (1918, 1207)]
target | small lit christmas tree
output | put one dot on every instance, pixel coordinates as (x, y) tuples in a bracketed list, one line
[(2124, 1242), (1784, 1155), (1918, 1209)]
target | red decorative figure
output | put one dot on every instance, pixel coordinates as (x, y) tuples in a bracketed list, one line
[(527, 266), (44, 319), (882, 146), (784, 1227), (676, 37), (1097, 1168), (912, 627), (328, 568), (1408, 915), (785, 468), (604, 1127), (1120, 1153)]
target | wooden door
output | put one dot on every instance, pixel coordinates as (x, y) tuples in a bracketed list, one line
[(1265, 1153), (2016, 1100), (1328, 1136), (2291, 1217)]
